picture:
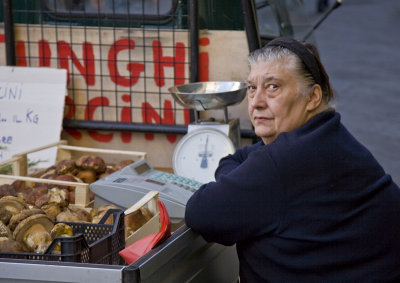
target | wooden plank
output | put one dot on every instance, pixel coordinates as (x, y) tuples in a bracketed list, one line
[(151, 196), (100, 150), (82, 198), (20, 161)]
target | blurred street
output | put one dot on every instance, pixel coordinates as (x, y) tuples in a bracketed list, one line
[(359, 44)]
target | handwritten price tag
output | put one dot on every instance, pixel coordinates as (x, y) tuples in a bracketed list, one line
[(31, 110)]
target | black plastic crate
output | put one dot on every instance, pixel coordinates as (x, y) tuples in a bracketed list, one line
[(91, 243)]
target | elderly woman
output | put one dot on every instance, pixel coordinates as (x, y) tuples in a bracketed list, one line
[(308, 203)]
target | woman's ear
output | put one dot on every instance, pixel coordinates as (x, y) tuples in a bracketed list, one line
[(314, 98)]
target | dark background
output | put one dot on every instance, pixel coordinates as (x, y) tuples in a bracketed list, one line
[(359, 44)]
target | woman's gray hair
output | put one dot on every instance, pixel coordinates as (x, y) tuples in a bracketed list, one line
[(269, 53)]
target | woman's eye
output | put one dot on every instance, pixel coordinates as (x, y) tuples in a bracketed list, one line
[(251, 87), (272, 86)]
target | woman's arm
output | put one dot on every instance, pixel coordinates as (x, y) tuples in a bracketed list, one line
[(243, 203), (230, 162)]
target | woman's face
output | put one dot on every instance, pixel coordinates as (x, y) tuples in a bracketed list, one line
[(275, 103)]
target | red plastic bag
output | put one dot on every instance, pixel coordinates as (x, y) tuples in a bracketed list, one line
[(141, 247)]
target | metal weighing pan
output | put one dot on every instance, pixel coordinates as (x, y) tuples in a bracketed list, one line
[(202, 96)]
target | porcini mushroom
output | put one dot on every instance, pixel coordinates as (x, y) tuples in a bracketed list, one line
[(5, 215), (65, 166), (74, 214), (136, 219), (23, 214), (12, 204), (54, 195), (60, 230), (36, 193), (67, 178), (97, 213), (52, 210), (5, 231), (7, 190), (88, 176), (34, 233), (92, 162), (8, 245)]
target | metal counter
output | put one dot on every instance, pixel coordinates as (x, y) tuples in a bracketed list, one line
[(184, 257)]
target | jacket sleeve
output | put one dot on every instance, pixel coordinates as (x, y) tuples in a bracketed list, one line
[(244, 203), (230, 162)]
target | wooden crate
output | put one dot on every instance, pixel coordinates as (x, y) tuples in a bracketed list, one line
[(82, 198), (19, 161), (153, 225), (19, 164)]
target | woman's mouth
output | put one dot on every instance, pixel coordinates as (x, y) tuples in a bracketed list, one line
[(260, 119)]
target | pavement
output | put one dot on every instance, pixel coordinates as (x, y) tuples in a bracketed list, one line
[(359, 44)]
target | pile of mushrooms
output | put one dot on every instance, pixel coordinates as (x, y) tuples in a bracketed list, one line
[(28, 211), (85, 169), (24, 228), (31, 228)]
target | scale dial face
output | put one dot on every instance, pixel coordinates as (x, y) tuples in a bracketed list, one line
[(198, 153)]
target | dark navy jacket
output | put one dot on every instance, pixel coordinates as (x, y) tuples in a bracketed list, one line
[(313, 206)]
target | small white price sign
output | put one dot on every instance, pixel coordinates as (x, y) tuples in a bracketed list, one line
[(31, 110)]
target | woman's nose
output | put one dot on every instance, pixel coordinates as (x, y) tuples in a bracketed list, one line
[(259, 99)]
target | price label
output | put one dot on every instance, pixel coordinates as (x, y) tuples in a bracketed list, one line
[(31, 110)]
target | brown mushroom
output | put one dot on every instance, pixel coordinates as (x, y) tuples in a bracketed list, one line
[(12, 204), (36, 193), (60, 230), (24, 191), (65, 166), (21, 189), (88, 176), (7, 190), (109, 171), (147, 214), (18, 184), (133, 222), (34, 233), (74, 214), (123, 163), (52, 210), (48, 176), (5, 231), (8, 245), (97, 213), (55, 195), (93, 162), (5, 215), (23, 214), (67, 178), (136, 219)]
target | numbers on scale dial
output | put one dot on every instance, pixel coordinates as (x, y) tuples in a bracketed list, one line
[(197, 155)]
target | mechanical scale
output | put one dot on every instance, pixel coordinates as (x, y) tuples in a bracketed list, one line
[(198, 153)]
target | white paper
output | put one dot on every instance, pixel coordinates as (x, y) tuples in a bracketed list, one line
[(31, 110)]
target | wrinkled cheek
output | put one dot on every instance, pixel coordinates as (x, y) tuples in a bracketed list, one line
[(250, 112)]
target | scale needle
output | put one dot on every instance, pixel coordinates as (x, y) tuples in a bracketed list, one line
[(204, 161)]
